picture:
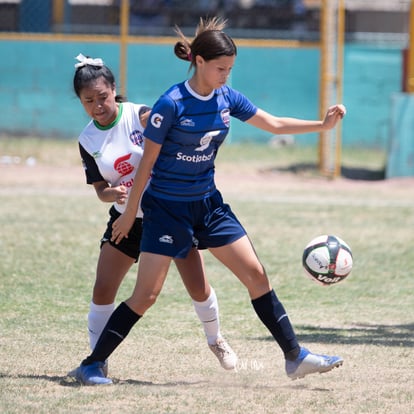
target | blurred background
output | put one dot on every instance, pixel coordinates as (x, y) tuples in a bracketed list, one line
[(295, 57), (379, 19)]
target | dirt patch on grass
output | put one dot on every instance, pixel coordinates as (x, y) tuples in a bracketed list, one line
[(227, 177), (233, 182)]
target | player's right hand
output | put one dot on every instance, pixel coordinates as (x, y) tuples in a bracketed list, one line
[(121, 194), (121, 227)]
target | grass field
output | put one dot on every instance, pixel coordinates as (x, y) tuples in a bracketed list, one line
[(51, 222)]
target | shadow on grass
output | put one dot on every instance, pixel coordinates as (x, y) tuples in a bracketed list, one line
[(352, 173), (62, 380), (68, 381), (71, 382), (367, 334)]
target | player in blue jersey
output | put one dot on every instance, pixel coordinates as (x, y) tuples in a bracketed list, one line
[(182, 205), (111, 147)]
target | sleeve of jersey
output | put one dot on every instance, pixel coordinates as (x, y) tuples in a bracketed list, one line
[(160, 120), (241, 107), (89, 165)]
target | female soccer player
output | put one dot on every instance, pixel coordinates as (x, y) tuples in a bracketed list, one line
[(187, 125), (111, 147)]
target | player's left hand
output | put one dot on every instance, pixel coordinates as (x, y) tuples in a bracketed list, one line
[(121, 227), (333, 115)]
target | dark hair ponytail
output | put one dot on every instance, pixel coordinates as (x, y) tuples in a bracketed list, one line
[(210, 42)]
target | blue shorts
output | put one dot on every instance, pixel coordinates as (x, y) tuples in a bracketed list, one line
[(172, 228)]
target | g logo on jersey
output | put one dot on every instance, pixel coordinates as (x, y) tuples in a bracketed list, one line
[(156, 120), (123, 166)]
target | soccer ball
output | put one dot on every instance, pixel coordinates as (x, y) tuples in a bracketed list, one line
[(327, 260)]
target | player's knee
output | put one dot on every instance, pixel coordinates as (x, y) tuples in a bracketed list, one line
[(142, 302), (257, 282), (258, 274), (103, 294), (151, 299)]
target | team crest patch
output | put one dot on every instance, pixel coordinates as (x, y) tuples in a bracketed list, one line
[(136, 138), (225, 116)]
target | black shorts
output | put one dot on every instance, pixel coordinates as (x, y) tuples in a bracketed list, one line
[(131, 245)]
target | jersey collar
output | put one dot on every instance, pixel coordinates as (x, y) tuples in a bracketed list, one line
[(195, 94), (113, 123)]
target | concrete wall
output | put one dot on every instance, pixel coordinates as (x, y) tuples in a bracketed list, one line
[(36, 96), (400, 162)]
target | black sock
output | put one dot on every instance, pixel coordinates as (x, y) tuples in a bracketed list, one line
[(119, 324), (273, 315)]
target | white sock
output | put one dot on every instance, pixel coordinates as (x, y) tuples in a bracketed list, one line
[(97, 318), (208, 313)]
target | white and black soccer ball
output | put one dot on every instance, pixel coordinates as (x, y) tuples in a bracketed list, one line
[(327, 260)]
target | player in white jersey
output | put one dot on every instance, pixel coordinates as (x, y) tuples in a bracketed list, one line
[(111, 148), (187, 125)]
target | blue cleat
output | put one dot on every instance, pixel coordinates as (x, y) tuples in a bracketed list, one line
[(92, 374), (307, 363), (74, 372)]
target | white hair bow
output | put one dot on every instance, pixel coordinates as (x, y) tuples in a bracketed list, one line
[(83, 61)]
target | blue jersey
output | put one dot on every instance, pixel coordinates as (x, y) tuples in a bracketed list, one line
[(191, 128)]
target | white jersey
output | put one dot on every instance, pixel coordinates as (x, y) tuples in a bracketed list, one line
[(113, 153)]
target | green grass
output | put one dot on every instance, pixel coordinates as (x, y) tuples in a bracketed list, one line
[(50, 230)]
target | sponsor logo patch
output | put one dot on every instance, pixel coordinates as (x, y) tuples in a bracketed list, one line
[(156, 120), (166, 239), (123, 166), (187, 122), (206, 139)]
